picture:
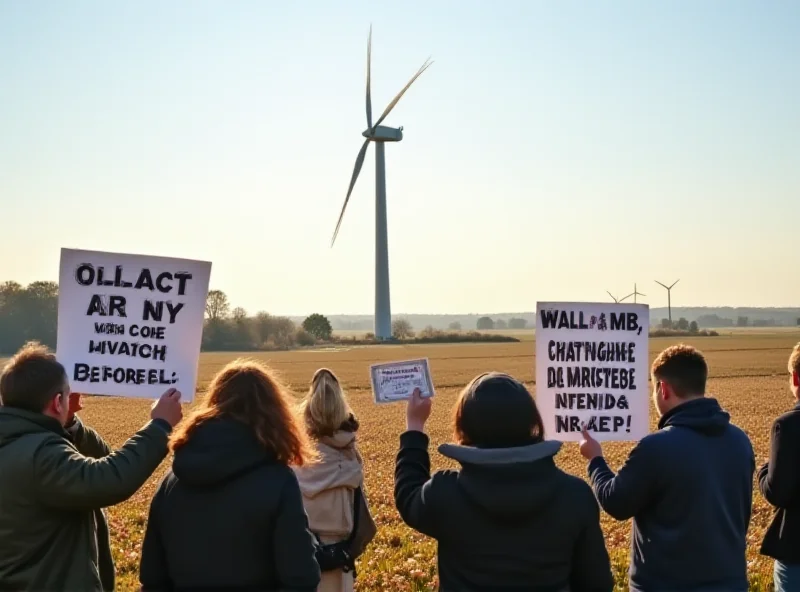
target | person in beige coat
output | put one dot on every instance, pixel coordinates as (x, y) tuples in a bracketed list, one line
[(328, 486)]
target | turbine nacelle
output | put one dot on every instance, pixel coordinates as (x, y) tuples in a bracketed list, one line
[(383, 133)]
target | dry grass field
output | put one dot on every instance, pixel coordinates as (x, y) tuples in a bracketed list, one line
[(747, 375)]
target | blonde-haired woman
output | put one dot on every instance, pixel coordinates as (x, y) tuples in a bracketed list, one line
[(329, 485), (229, 515)]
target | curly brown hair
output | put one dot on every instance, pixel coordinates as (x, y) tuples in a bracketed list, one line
[(684, 368), (247, 391)]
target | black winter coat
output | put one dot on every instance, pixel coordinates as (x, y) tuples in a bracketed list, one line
[(689, 489), (509, 520), (228, 517), (779, 482)]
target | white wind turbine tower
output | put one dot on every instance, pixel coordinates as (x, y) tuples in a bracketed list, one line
[(669, 298), (379, 134)]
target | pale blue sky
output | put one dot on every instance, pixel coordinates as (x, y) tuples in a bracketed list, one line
[(554, 150)]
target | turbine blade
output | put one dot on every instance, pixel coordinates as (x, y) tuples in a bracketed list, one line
[(356, 170), (369, 69), (676, 281), (626, 297), (612, 296), (391, 105), (662, 285)]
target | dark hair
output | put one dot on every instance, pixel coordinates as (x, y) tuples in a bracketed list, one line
[(682, 367), (497, 411), (31, 378)]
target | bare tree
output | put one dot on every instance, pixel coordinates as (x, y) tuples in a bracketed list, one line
[(217, 305)]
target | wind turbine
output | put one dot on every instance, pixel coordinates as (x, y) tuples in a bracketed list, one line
[(615, 299), (635, 293), (379, 134), (669, 297)]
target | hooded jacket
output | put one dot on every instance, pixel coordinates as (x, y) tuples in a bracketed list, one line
[(508, 520), (779, 482), (688, 488), (328, 492), (227, 516), (53, 484)]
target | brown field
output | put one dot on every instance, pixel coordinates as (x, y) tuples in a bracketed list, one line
[(748, 376)]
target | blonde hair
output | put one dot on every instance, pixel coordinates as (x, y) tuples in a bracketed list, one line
[(325, 407), (248, 392), (794, 360)]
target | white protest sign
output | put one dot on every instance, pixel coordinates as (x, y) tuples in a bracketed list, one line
[(396, 381), (592, 368), (130, 325)]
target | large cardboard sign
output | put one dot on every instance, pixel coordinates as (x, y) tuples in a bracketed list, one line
[(592, 369), (130, 325), (396, 381)]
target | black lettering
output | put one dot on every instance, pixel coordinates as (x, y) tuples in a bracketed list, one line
[(80, 373), (97, 347), (618, 423), (140, 376), (561, 401), (617, 321), (549, 318), (633, 321), (604, 421), (84, 274), (574, 424), (160, 282), (152, 376), (153, 311), (160, 352), (562, 424), (173, 311), (622, 402), (97, 305), (130, 376), (117, 304), (145, 280), (182, 277)]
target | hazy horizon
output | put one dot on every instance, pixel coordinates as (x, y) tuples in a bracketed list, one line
[(553, 151)]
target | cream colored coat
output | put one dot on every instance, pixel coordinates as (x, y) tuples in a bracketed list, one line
[(328, 489)]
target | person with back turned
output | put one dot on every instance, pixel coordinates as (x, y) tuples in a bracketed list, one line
[(57, 474), (688, 486), (779, 482)]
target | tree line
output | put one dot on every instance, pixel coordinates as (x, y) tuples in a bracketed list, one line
[(31, 313)]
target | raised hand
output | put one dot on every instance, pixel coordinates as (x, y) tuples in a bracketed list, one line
[(589, 447), (168, 407), (417, 412)]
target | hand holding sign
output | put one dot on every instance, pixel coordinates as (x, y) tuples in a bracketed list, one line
[(589, 447), (417, 412), (168, 407)]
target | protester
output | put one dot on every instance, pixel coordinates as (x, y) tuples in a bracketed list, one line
[(509, 519), (329, 486), (688, 486), (779, 482), (57, 474), (229, 514)]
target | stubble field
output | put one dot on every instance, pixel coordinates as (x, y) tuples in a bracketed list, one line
[(747, 375)]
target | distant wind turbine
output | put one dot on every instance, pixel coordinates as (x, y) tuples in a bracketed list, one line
[(615, 299), (669, 297), (635, 293), (379, 134)]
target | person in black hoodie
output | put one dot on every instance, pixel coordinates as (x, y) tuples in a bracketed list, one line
[(509, 519), (229, 515), (779, 482), (688, 486)]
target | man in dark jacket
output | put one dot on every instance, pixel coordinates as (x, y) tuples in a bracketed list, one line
[(54, 481), (688, 486), (779, 482), (510, 519)]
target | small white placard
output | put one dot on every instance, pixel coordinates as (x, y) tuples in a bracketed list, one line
[(396, 381)]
